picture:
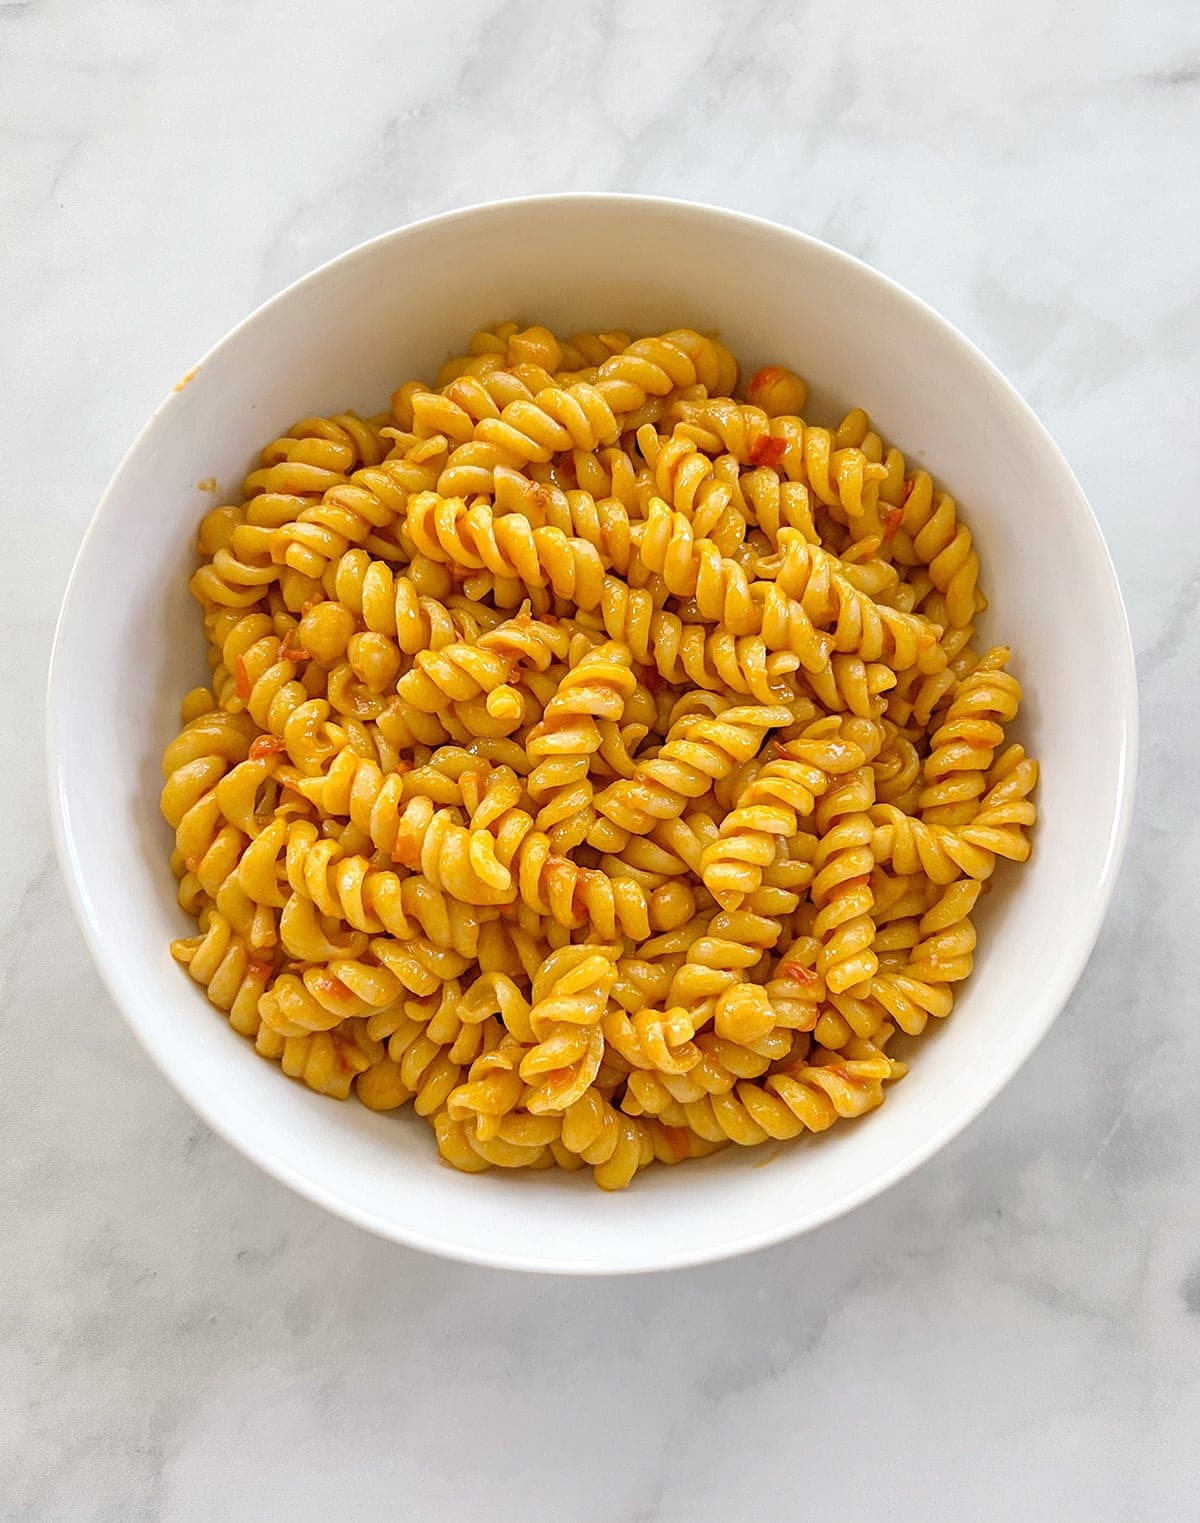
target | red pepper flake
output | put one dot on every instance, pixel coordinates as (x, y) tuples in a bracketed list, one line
[(797, 973), (264, 746), (676, 1138), (290, 652), (892, 519), (840, 1073), (310, 603), (259, 970), (782, 753), (241, 679), (767, 450), (906, 490)]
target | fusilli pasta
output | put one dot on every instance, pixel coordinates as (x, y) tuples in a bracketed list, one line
[(593, 759)]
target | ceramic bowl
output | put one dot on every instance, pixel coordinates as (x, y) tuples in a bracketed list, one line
[(129, 643)]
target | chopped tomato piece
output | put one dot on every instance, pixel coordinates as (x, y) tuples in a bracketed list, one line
[(265, 745), (767, 450), (290, 652), (892, 519), (797, 973)]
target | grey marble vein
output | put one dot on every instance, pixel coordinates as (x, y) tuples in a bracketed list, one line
[(1014, 1332)]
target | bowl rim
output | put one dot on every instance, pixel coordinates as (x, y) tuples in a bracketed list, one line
[(1123, 693)]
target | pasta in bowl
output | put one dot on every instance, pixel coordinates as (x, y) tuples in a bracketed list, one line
[(599, 762), (606, 751)]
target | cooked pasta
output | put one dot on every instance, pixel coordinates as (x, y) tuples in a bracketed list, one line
[(592, 758)]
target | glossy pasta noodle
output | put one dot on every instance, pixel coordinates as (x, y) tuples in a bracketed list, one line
[(597, 759)]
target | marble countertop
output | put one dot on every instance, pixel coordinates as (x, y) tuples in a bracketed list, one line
[(1015, 1331)]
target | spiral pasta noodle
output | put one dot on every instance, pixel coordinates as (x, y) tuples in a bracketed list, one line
[(598, 761)]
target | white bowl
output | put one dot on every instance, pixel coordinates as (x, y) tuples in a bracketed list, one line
[(129, 643)]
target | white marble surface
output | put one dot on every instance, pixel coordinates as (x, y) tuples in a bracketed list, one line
[(1012, 1333)]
